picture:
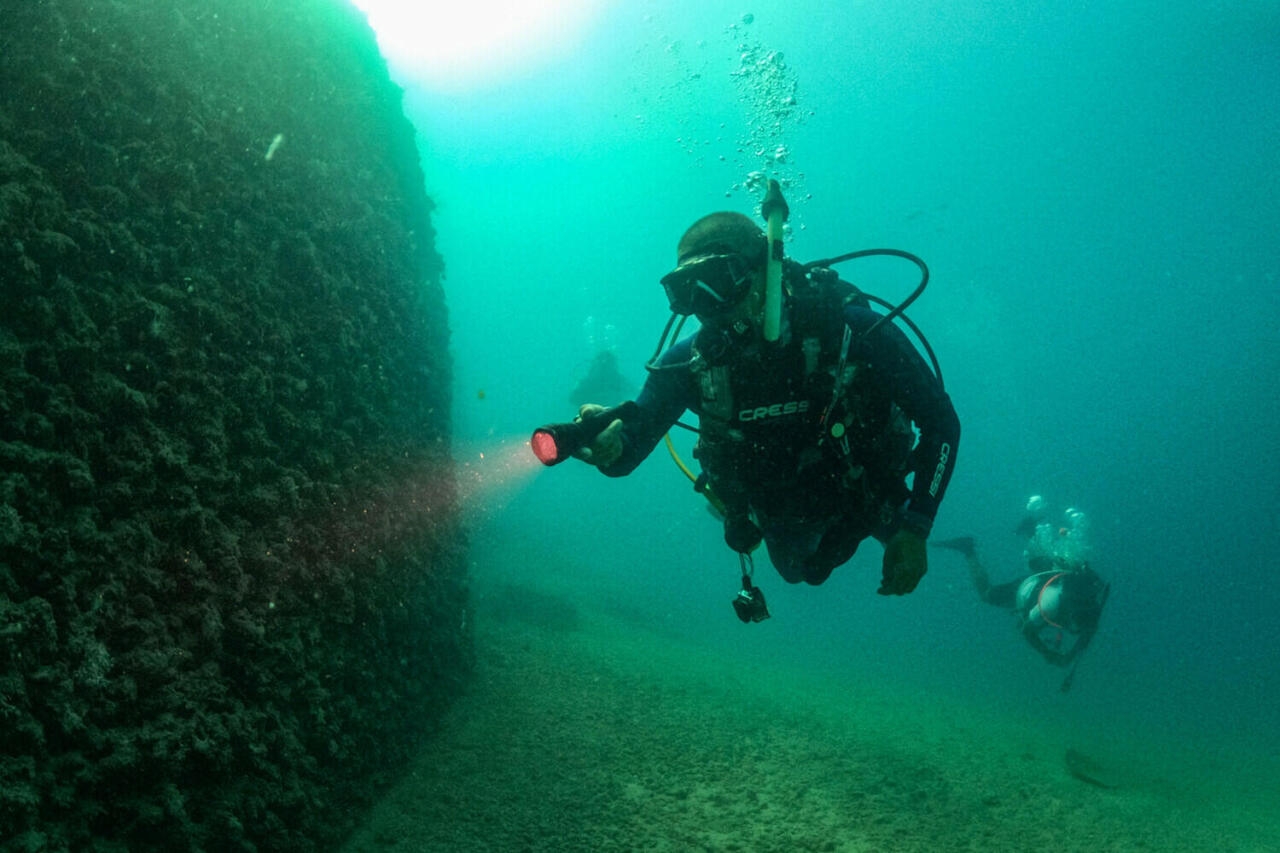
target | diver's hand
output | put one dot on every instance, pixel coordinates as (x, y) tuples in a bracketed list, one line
[(607, 447), (905, 563)]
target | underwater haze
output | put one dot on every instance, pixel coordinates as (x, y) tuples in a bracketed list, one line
[(1096, 190)]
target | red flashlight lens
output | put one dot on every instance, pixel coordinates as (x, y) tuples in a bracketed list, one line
[(544, 447)]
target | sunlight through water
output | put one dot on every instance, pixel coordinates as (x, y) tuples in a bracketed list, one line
[(474, 43)]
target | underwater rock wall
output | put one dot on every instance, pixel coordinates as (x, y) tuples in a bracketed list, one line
[(231, 577)]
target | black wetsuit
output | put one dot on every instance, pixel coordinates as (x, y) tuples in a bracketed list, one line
[(814, 495)]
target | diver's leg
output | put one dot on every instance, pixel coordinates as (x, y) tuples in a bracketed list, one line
[(790, 543), (838, 545), (1002, 594), (968, 546), (978, 574)]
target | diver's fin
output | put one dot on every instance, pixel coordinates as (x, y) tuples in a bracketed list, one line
[(966, 545)]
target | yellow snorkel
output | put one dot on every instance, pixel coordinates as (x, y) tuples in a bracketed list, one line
[(775, 212)]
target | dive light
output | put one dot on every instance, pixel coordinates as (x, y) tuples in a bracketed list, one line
[(554, 443)]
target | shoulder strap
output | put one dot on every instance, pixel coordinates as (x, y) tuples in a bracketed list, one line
[(819, 297)]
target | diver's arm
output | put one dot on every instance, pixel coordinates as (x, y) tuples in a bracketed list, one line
[(1057, 658), (1080, 645), (1089, 626), (666, 394), (920, 395)]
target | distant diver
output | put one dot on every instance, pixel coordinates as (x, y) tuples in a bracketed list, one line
[(603, 381), (1059, 599)]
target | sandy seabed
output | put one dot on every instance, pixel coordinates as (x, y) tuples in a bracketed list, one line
[(581, 734)]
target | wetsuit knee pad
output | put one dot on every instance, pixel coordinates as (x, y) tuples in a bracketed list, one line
[(787, 559), (791, 570), (837, 547), (815, 571)]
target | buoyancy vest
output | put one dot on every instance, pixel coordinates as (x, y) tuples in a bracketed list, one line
[(769, 414)]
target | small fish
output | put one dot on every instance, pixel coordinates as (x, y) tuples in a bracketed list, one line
[(274, 146), (1087, 770)]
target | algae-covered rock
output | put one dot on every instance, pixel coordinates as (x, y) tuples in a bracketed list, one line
[(231, 589)]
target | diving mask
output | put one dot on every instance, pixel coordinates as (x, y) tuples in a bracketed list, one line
[(708, 286)]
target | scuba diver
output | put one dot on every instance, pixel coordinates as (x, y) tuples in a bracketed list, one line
[(808, 405), (1059, 602), (603, 379)]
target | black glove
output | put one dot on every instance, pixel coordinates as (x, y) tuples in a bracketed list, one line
[(905, 562), (606, 448), (741, 533)]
